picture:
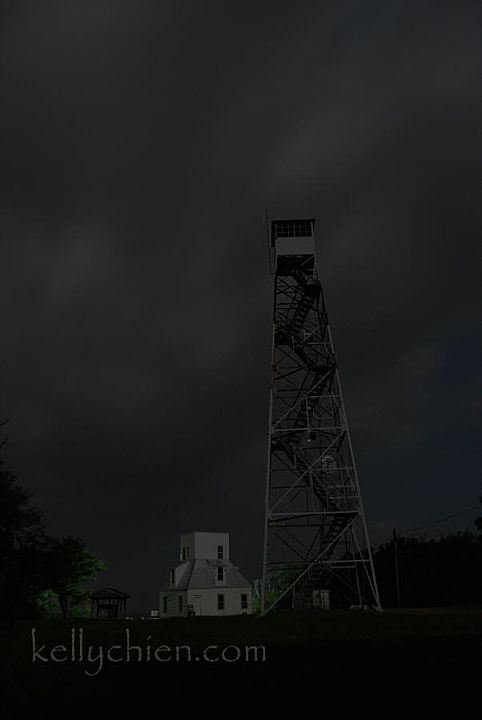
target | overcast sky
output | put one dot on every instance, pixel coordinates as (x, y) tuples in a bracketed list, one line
[(141, 143)]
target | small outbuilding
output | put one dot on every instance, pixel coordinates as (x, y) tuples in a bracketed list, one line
[(108, 604), (205, 582)]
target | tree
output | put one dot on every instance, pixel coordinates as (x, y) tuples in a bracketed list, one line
[(22, 534), (31, 562), (478, 521), (67, 564)]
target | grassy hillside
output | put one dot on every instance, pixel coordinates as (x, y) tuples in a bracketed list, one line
[(335, 657)]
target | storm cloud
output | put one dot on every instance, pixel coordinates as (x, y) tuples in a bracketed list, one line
[(141, 144)]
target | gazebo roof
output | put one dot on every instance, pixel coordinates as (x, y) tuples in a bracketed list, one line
[(108, 593)]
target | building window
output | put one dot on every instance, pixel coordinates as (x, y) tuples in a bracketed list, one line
[(244, 602), (220, 552), (221, 574), (180, 603), (165, 605), (220, 602), (173, 577), (293, 228), (184, 554)]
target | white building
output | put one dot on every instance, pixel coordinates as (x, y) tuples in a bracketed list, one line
[(205, 582)]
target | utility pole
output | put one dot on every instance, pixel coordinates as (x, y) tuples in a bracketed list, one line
[(397, 575)]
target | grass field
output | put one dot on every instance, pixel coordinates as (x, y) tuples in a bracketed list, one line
[(427, 658)]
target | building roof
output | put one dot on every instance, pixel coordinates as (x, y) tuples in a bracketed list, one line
[(108, 593), (204, 532), (200, 574)]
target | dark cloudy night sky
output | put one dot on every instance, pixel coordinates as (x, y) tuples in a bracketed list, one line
[(141, 143)]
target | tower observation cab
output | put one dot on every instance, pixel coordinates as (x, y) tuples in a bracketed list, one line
[(316, 540)]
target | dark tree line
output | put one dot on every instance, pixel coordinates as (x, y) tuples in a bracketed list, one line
[(447, 571), (33, 563)]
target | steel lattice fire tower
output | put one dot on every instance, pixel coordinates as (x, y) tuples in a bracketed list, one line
[(316, 542)]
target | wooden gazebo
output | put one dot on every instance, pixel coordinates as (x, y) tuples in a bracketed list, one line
[(108, 604)]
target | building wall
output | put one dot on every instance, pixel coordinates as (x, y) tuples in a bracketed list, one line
[(172, 598), (205, 601), (295, 246), (186, 551), (204, 545)]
